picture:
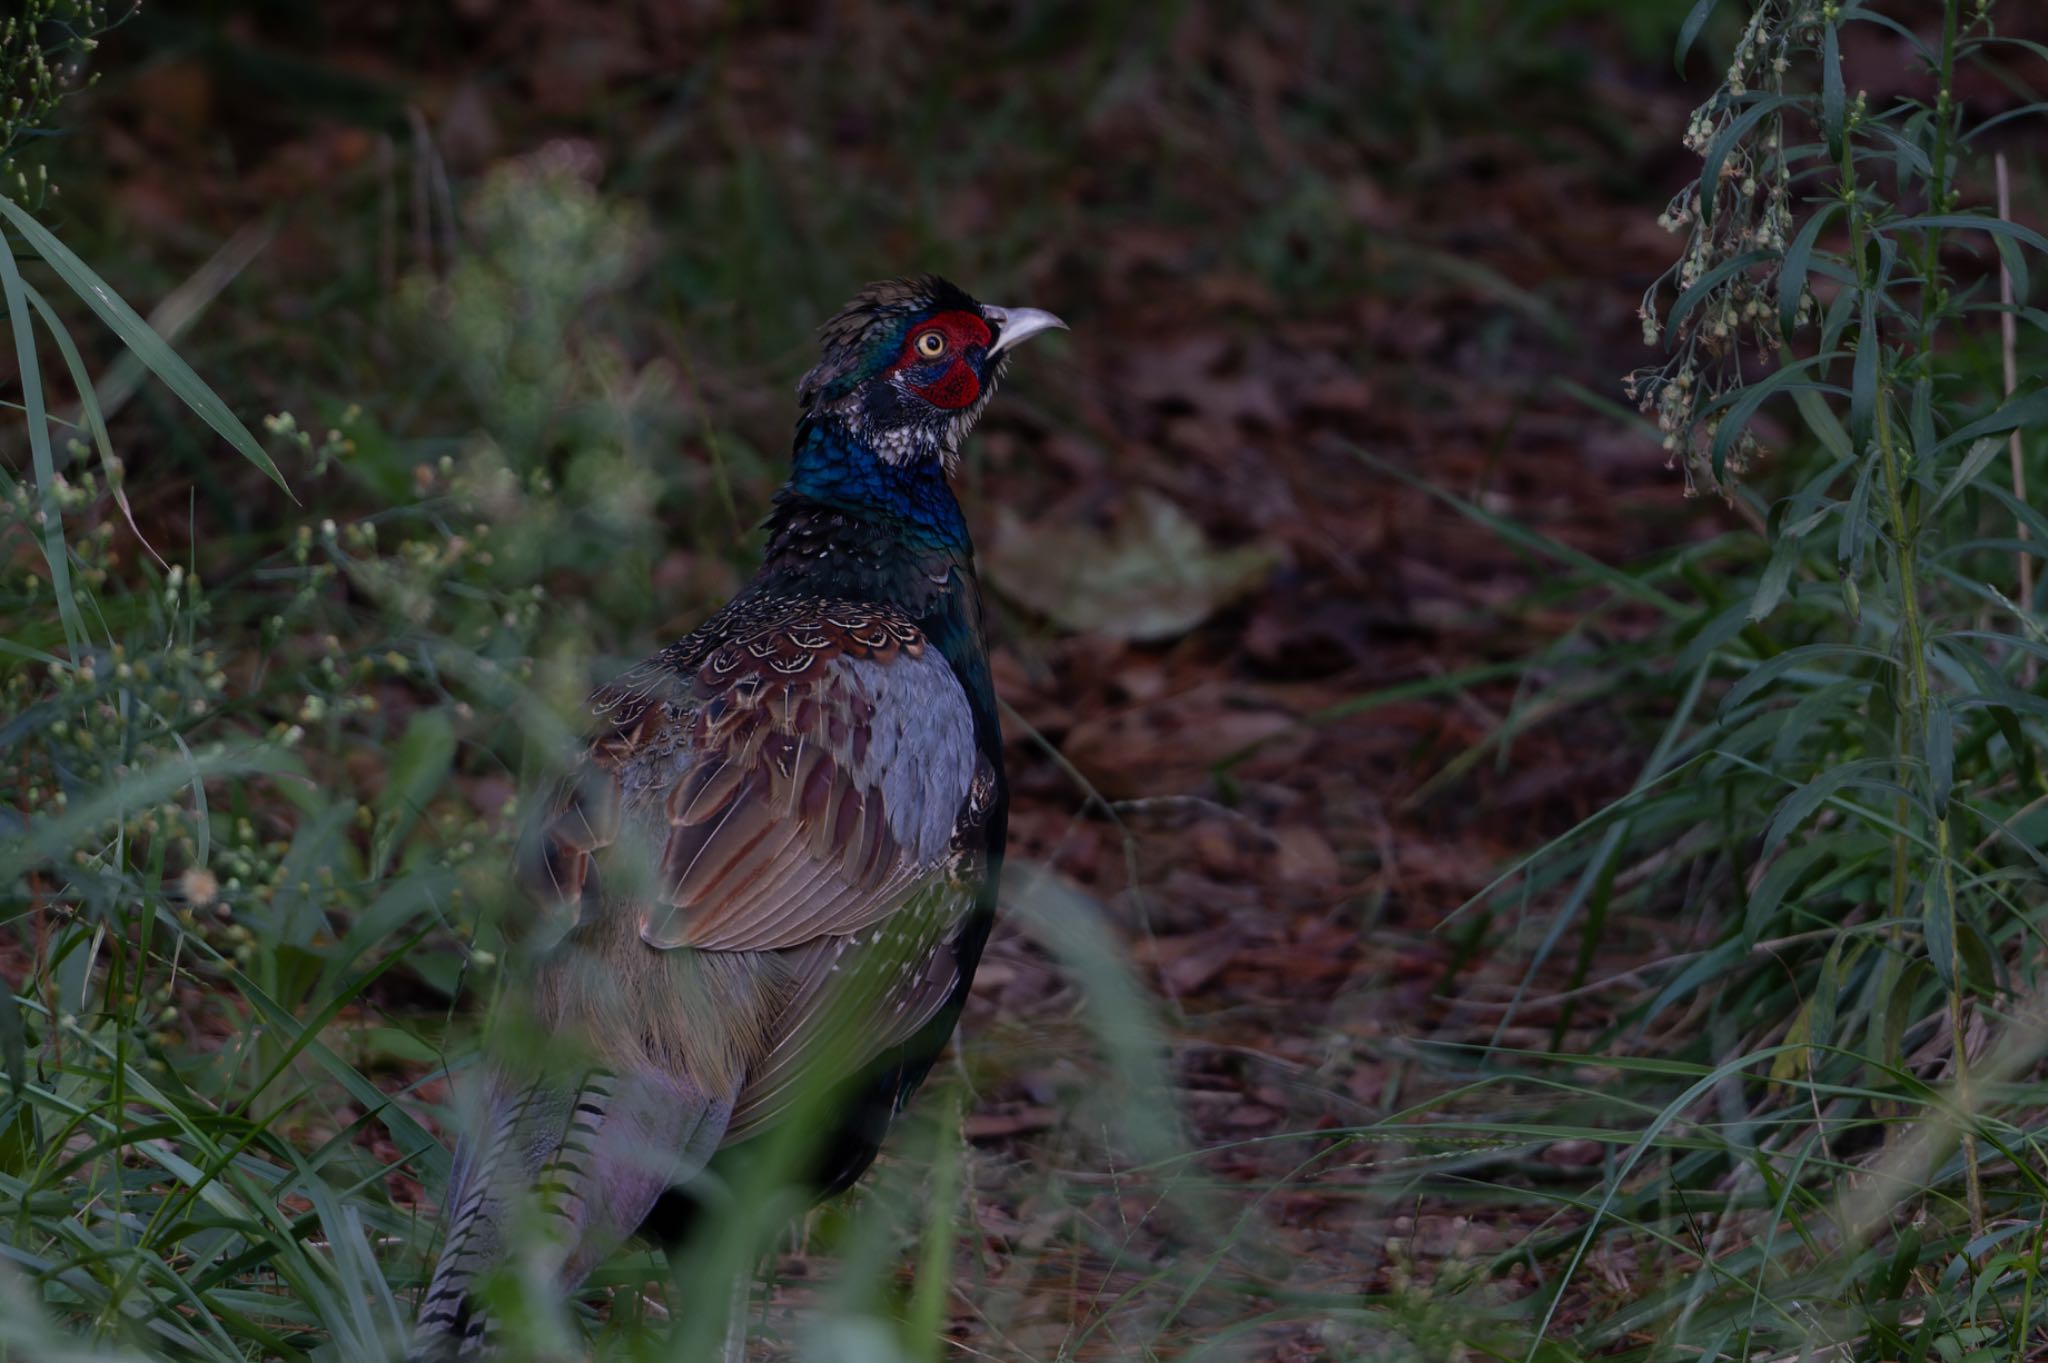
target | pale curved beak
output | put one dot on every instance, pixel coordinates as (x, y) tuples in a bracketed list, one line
[(1017, 324)]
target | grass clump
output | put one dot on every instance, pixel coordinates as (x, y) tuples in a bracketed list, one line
[(1846, 798)]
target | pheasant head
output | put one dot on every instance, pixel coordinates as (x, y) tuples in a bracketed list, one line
[(909, 364)]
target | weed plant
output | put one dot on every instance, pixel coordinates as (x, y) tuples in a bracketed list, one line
[(1848, 792)]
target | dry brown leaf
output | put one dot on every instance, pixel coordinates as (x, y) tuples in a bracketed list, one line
[(1153, 575)]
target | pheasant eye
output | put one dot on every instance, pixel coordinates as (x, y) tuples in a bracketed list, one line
[(932, 344)]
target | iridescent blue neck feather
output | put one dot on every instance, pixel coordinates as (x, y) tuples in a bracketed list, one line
[(912, 499), (850, 525)]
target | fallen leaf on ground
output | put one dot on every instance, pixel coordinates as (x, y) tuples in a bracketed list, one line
[(1151, 576)]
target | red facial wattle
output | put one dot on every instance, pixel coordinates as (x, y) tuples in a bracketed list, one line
[(947, 381)]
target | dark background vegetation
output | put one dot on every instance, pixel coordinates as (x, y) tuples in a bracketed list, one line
[(1321, 554)]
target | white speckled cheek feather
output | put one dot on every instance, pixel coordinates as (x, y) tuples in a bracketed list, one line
[(958, 428), (899, 445)]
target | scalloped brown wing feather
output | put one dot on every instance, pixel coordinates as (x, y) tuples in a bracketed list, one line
[(779, 777)]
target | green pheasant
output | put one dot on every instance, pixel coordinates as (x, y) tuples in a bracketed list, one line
[(778, 856)]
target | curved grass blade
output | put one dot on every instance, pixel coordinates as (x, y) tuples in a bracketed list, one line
[(45, 460), (141, 339), (95, 419)]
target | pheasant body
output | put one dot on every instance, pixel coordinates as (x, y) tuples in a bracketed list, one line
[(776, 862)]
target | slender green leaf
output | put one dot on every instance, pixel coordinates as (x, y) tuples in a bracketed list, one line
[(1821, 420), (2014, 260), (89, 404), (140, 339), (1970, 222), (1798, 260), (44, 459), (1787, 869), (2030, 409), (1682, 306), (1800, 805), (1941, 755), (13, 1040), (2032, 110), (1833, 96), (1770, 586), (1981, 453), (1724, 143), (1938, 925), (1737, 408), (1689, 31), (1855, 529), (2019, 752), (1792, 659)]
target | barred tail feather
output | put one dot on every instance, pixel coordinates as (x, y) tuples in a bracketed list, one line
[(581, 1164)]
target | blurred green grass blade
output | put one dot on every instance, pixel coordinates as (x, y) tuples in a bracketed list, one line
[(307, 1033), (925, 1320), (175, 313), (1419, 689), (1595, 878), (421, 891), (50, 838), (202, 822), (27, 1332), (13, 1041), (54, 550), (419, 766), (139, 337), (1529, 864), (1617, 412), (1117, 1007), (34, 655), (1488, 283)]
